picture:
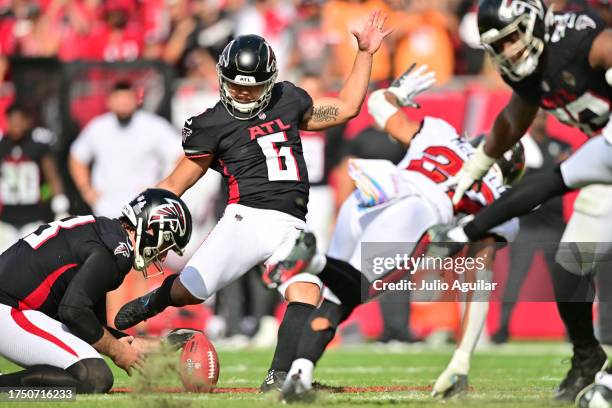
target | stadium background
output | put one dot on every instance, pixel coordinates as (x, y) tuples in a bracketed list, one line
[(61, 57)]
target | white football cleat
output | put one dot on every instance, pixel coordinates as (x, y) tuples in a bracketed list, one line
[(449, 384), (598, 394), (298, 384)]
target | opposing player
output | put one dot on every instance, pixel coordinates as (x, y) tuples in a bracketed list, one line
[(54, 285), (561, 63), (251, 137), (377, 212)]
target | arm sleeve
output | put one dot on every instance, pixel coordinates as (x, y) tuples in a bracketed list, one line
[(97, 276), (82, 149), (100, 311), (116, 333)]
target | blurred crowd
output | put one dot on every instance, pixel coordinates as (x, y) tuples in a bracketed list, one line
[(123, 150), (309, 36)]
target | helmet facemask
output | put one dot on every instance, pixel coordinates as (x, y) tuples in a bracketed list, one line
[(245, 110), (520, 59), (151, 245), (161, 222)]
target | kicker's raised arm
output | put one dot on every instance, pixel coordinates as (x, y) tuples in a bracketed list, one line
[(328, 112)]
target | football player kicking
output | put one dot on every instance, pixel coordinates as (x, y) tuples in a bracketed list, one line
[(251, 137), (561, 63), (54, 285), (376, 212)]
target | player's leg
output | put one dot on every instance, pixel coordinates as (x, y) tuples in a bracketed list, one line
[(214, 265), (302, 299), (588, 230), (318, 332), (454, 379), (305, 257), (344, 240), (50, 354), (322, 324), (401, 223), (302, 292), (591, 164)]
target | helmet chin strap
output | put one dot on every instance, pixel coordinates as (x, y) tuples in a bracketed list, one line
[(139, 262)]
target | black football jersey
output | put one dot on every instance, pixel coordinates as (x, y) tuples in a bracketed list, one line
[(36, 271), (565, 84), (261, 159), (21, 178)]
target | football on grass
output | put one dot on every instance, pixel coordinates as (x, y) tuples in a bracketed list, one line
[(199, 365)]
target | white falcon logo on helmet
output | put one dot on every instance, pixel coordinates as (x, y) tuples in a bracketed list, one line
[(172, 214)]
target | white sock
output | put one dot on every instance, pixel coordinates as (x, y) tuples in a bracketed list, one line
[(318, 262), (306, 367)]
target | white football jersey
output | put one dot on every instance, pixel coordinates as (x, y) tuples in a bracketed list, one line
[(436, 154)]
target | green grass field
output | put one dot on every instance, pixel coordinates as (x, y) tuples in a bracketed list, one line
[(516, 375)]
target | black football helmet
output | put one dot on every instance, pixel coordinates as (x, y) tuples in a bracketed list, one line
[(511, 164), (162, 223), (248, 60), (524, 23)]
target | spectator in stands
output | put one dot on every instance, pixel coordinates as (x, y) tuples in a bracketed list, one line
[(118, 38), (128, 149), (311, 50), (27, 30), (542, 228), (270, 19), (207, 27), (339, 18), (182, 24), (25, 156), (422, 36)]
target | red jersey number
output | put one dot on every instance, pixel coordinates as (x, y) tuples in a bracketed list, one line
[(439, 163)]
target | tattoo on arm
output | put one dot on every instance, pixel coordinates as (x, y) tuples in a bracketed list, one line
[(326, 113)]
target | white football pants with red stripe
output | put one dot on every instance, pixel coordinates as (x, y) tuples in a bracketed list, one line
[(30, 338)]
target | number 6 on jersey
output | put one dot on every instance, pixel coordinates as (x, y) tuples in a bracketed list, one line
[(280, 161)]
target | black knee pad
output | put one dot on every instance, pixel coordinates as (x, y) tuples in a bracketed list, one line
[(93, 374)]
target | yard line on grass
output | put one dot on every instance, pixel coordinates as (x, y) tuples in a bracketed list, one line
[(376, 369)]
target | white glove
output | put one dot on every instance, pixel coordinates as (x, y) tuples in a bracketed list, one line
[(474, 169), (411, 83)]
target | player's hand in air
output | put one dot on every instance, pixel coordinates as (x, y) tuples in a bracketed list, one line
[(472, 171), (411, 83), (372, 35)]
